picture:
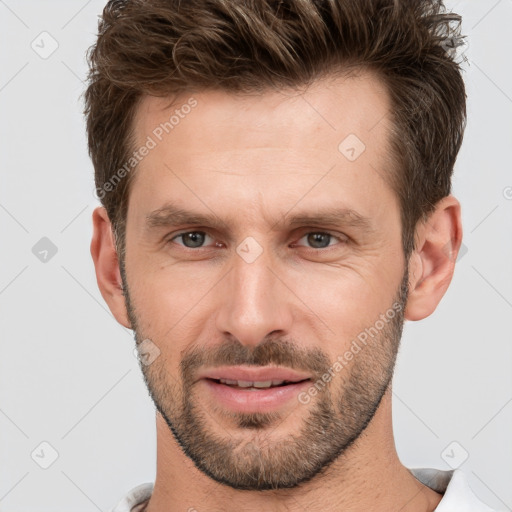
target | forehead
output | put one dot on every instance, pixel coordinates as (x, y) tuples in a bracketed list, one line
[(333, 106), (261, 147)]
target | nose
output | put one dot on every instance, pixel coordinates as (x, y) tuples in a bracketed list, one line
[(254, 301)]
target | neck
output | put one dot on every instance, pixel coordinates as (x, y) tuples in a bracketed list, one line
[(368, 477)]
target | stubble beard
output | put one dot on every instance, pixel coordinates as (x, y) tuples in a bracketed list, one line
[(243, 450)]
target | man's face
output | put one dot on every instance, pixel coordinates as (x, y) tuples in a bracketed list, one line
[(261, 283)]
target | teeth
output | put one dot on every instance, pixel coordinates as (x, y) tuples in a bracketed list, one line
[(244, 384), (249, 384), (265, 384), (229, 382)]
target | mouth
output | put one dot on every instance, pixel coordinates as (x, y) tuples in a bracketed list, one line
[(250, 376), (244, 384), (253, 390)]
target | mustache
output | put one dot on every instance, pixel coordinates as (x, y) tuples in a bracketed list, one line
[(270, 352)]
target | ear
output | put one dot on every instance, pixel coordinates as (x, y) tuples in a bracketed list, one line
[(106, 264), (432, 263)]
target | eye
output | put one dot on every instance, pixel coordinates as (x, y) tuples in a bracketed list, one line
[(321, 239), (192, 239)]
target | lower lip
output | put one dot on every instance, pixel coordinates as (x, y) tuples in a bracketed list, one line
[(253, 399)]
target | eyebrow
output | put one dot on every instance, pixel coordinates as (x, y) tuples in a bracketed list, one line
[(171, 215)]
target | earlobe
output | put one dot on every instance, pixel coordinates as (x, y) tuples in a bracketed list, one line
[(106, 265), (432, 263)]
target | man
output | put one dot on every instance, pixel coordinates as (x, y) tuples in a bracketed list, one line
[(275, 181)]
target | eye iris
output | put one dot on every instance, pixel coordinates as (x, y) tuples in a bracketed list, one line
[(196, 237), (319, 238)]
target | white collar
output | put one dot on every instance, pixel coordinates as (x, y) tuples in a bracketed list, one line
[(457, 495)]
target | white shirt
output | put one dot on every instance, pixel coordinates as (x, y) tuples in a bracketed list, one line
[(457, 495)]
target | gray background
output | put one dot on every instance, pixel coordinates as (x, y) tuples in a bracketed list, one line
[(68, 375)]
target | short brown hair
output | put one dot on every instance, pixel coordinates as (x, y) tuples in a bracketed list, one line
[(165, 47)]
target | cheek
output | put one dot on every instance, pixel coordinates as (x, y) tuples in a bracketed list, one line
[(348, 301), (170, 304)]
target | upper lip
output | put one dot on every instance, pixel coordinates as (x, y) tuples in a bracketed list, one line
[(254, 374)]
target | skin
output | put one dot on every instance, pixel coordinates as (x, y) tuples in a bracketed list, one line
[(254, 162)]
